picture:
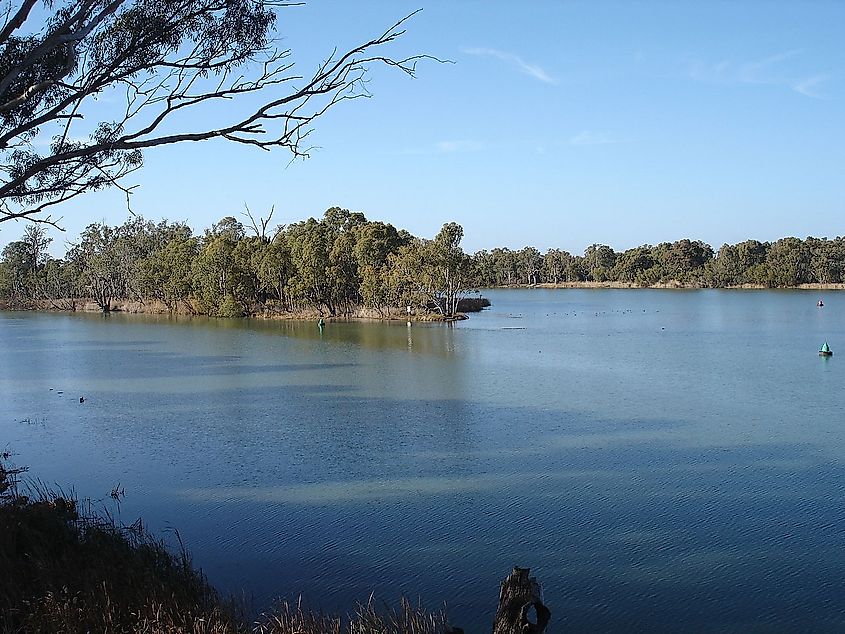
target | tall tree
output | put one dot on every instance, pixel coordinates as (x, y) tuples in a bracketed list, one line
[(434, 272), (97, 259), (598, 260), (788, 262), (632, 264), (530, 261)]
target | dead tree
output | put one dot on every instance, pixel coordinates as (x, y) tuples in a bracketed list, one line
[(518, 595)]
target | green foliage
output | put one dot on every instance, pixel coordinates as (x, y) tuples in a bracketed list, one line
[(788, 263), (432, 274), (343, 262), (165, 274), (229, 307), (213, 273), (631, 264), (785, 263)]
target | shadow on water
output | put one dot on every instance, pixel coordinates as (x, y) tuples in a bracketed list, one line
[(422, 337), (335, 496), (664, 509)]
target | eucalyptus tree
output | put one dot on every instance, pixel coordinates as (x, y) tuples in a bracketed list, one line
[(725, 269), (374, 242), (310, 243), (631, 266), (497, 267), (341, 227), (553, 263), (559, 266), (827, 260), (98, 261), (274, 269), (682, 260), (23, 264), (247, 287), (598, 260), (227, 227), (529, 263), (216, 272), (16, 273), (741, 263), (37, 242), (61, 288), (788, 262), (161, 64), (433, 273), (451, 267), (166, 274), (573, 267), (344, 274), (485, 268)]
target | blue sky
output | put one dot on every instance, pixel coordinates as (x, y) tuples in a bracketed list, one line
[(559, 124)]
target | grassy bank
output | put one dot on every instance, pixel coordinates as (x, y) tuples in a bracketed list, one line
[(68, 569)]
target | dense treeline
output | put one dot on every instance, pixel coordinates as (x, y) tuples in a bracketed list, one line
[(335, 265), (783, 263), (343, 263)]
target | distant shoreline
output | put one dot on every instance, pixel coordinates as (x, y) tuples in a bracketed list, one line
[(674, 285)]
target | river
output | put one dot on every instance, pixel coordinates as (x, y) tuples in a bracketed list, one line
[(662, 460)]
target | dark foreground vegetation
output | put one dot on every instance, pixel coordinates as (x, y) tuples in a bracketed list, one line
[(66, 569)]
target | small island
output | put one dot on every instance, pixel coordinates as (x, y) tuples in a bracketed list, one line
[(339, 267)]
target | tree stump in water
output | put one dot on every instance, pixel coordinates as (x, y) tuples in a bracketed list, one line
[(519, 593)]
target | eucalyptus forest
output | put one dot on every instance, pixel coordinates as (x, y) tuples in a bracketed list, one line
[(337, 265), (345, 265)]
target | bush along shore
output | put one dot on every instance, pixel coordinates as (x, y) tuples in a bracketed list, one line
[(67, 569)]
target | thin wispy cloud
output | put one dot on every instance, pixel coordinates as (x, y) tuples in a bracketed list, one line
[(755, 72), (809, 87), (773, 70), (591, 137), (532, 70)]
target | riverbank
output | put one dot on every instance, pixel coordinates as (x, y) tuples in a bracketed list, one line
[(186, 308)]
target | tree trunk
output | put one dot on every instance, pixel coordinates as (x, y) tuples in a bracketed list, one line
[(519, 593)]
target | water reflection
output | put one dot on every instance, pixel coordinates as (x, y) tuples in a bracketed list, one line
[(657, 459)]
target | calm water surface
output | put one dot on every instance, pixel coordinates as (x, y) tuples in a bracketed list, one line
[(663, 460)]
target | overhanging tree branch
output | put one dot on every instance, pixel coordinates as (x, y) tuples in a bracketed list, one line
[(167, 59)]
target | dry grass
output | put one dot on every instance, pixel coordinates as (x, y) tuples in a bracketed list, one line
[(367, 619)]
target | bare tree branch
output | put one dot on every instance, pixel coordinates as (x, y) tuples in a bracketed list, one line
[(168, 59)]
